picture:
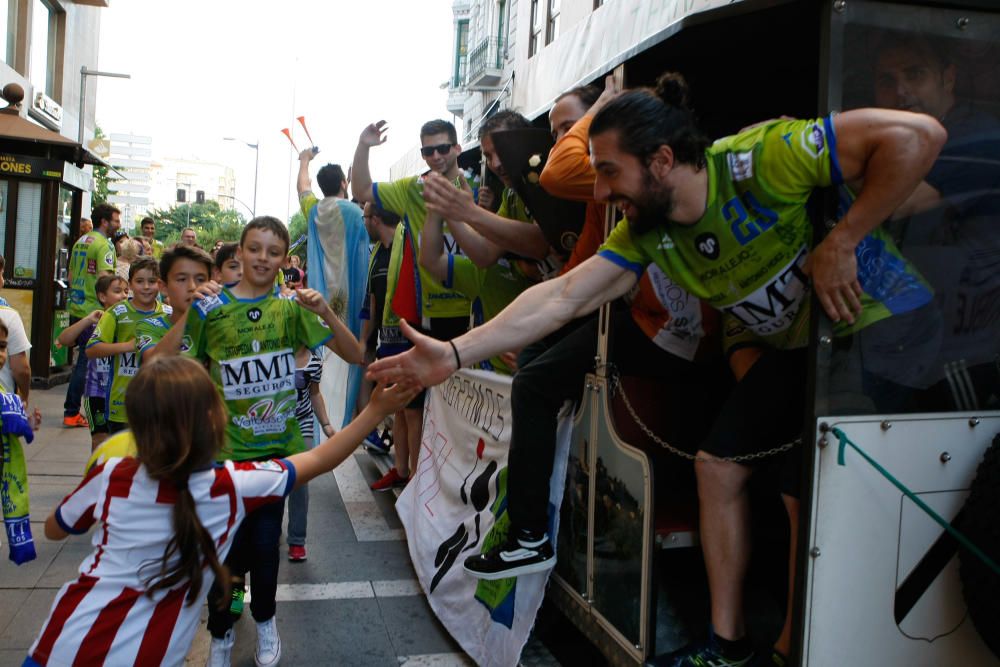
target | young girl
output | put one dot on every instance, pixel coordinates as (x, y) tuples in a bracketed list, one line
[(110, 289), (167, 518)]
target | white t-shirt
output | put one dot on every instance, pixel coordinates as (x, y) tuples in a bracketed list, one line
[(105, 616), (17, 342)]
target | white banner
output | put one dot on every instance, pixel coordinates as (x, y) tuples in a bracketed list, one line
[(455, 507)]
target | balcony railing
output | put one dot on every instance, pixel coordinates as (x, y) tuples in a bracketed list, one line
[(486, 64)]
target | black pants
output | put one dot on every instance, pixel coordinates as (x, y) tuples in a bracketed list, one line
[(77, 379), (551, 372), (255, 550)]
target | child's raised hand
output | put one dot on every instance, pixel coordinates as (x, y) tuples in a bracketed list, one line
[(95, 316), (207, 289), (311, 300), (387, 399)]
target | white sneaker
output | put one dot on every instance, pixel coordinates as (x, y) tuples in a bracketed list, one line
[(268, 644), (220, 653)]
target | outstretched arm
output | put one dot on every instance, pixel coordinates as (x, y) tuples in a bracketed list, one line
[(171, 341), (361, 177), (69, 335), (891, 151), (537, 312), (332, 452)]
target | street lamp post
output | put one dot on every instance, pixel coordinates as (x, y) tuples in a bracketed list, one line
[(256, 166), (84, 73)]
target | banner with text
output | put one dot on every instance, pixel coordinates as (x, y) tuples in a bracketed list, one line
[(456, 507)]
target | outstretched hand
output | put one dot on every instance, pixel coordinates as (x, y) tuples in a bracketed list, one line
[(374, 134), (387, 399), (445, 199), (311, 300), (612, 89), (430, 362)]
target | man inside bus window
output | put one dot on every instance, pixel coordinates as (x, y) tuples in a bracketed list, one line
[(913, 73), (948, 229), (691, 208)]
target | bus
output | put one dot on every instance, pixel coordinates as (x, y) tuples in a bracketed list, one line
[(896, 559)]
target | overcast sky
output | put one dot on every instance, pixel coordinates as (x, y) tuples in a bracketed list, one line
[(208, 69)]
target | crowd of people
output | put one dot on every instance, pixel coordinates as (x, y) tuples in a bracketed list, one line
[(200, 377)]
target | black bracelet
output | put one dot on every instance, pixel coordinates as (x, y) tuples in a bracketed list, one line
[(458, 360)]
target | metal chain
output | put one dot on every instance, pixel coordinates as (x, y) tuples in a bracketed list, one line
[(616, 386)]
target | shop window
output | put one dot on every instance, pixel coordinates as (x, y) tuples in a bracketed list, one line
[(29, 216)]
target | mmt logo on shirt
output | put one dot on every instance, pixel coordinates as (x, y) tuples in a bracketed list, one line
[(258, 375), (773, 307)]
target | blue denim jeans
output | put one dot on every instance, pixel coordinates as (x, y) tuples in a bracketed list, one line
[(77, 379), (254, 550), (298, 509)]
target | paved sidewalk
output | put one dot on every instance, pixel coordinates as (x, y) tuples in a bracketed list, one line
[(355, 601)]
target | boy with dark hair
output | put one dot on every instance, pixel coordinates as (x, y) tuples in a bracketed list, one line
[(248, 335), (115, 335), (182, 270), (228, 269)]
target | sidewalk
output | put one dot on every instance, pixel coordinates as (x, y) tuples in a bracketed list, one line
[(355, 601)]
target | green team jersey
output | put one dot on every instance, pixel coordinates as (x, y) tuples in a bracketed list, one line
[(745, 256), (250, 346), (491, 289), (118, 325), (150, 331), (404, 198), (92, 256)]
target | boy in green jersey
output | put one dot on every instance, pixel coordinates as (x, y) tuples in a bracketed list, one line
[(182, 270), (726, 221), (115, 335), (248, 335)]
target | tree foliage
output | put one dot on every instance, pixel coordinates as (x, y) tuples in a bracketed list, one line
[(296, 229), (101, 179), (209, 220)]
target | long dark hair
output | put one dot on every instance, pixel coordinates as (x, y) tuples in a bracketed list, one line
[(179, 423), (647, 118)]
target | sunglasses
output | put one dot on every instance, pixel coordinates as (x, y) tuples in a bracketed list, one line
[(442, 149)]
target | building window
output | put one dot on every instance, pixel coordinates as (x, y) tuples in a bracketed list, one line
[(29, 216), (552, 25), (461, 54), (8, 26), (598, 3), (535, 38), (43, 47)]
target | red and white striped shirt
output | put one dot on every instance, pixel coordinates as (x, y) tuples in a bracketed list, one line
[(105, 617)]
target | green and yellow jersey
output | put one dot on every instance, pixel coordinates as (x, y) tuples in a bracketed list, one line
[(150, 331), (92, 256), (250, 346), (118, 325), (404, 198), (746, 255)]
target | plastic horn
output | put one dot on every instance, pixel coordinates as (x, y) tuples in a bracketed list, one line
[(302, 121), (288, 134)]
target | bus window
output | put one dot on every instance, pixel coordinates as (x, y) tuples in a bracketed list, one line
[(937, 346)]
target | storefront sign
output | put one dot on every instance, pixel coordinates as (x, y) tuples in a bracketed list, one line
[(30, 167)]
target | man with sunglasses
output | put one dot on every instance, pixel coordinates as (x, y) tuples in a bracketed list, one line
[(443, 312), (411, 291)]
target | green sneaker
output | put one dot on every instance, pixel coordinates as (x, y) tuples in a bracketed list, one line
[(236, 603), (708, 656)]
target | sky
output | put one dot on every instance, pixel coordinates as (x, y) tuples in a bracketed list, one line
[(209, 69)]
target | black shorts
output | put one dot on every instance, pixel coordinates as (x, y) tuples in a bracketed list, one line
[(764, 410), (95, 409)]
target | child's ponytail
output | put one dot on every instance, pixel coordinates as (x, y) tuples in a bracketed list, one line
[(178, 421)]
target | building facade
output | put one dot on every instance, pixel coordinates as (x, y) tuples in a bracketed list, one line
[(45, 174)]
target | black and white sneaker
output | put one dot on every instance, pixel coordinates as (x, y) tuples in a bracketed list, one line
[(514, 557)]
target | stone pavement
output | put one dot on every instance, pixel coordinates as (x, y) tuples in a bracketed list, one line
[(355, 601)]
